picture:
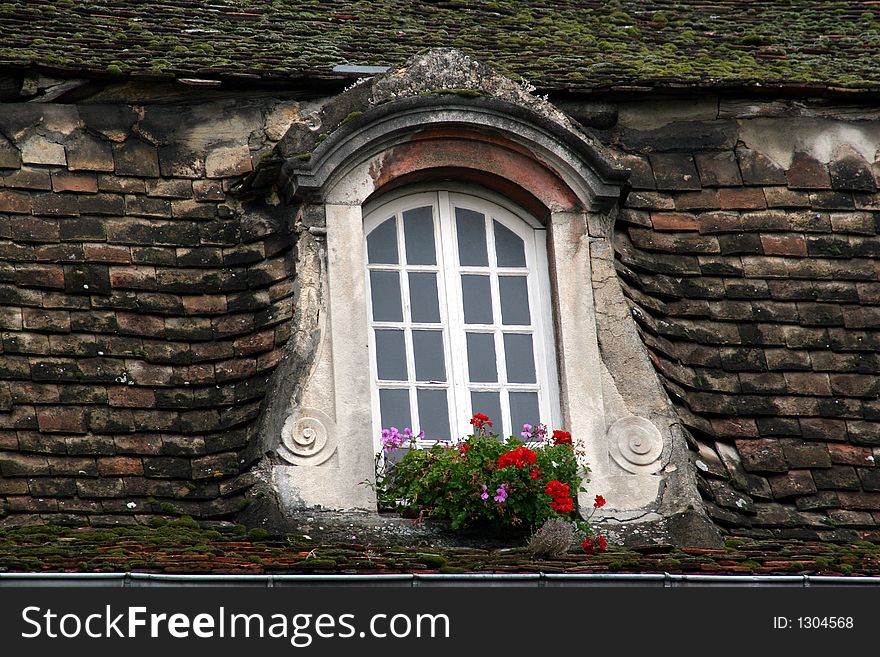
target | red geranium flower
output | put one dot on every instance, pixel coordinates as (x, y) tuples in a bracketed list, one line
[(556, 488), (521, 456), (535, 473), (464, 449), (561, 438), (600, 502), (479, 420), (591, 547)]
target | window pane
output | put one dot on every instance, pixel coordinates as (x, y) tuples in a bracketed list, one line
[(470, 227), (418, 231), (477, 295), (489, 403), (390, 355), (523, 410), (509, 248), (382, 243), (385, 293), (423, 305), (428, 352), (481, 357), (394, 409), (433, 414), (519, 357), (514, 292)]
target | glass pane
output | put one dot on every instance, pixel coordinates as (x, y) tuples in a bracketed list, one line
[(428, 352), (382, 243), (433, 414), (385, 293), (418, 233), (477, 296), (489, 403), (523, 410), (470, 227), (423, 305), (519, 357), (514, 292), (394, 409), (481, 357), (390, 355), (509, 248)]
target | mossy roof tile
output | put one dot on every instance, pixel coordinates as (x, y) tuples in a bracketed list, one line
[(555, 44)]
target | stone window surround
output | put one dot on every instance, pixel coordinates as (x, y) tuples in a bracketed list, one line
[(559, 175)]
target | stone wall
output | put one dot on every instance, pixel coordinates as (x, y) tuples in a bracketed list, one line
[(749, 249), (142, 308)]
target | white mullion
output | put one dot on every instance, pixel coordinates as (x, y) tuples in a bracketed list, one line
[(407, 330), (459, 395), (544, 344), (498, 327)]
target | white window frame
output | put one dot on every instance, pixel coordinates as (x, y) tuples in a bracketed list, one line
[(534, 234)]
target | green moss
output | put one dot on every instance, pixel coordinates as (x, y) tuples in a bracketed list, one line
[(464, 93), (257, 534)]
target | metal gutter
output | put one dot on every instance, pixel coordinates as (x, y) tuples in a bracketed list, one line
[(535, 580)]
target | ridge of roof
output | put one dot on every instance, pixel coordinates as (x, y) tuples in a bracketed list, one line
[(557, 45)]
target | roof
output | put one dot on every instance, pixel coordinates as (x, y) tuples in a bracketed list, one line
[(557, 45), (180, 546)]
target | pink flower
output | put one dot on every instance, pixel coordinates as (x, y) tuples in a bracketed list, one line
[(500, 493)]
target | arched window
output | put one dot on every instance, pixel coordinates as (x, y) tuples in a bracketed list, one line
[(459, 312)]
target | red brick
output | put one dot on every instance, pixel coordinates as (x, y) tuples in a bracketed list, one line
[(805, 172), (131, 396), (745, 198), (107, 253), (74, 182), (720, 222), (867, 501), (706, 199), (194, 374), (136, 324), (15, 202), (40, 276), (208, 190), (784, 245), (13, 464), (718, 169), (27, 179), (120, 466), (851, 455), (762, 455), (269, 360), (61, 419), (25, 392), (792, 484), (673, 221), (255, 343), (30, 229), (807, 383), (644, 200), (134, 157), (148, 374), (40, 319), (205, 304), (133, 278), (138, 444)]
